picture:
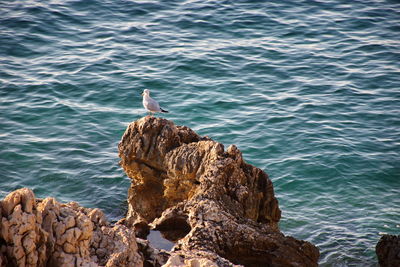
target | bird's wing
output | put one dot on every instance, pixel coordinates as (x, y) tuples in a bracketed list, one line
[(152, 105)]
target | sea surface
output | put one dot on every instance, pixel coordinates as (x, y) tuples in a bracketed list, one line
[(308, 90)]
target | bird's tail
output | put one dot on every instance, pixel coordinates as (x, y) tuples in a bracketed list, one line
[(164, 111)]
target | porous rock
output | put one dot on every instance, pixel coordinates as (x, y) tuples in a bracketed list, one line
[(209, 201), (45, 232), (388, 251)]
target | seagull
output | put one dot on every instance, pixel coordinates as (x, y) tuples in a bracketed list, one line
[(150, 104)]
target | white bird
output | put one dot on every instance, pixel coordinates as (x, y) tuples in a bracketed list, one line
[(150, 104)]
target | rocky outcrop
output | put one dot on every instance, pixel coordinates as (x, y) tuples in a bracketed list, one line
[(388, 251), (45, 232), (215, 206), (219, 211)]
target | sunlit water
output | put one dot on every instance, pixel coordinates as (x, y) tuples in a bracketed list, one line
[(308, 90)]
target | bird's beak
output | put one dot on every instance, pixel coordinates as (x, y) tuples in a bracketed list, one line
[(142, 94)]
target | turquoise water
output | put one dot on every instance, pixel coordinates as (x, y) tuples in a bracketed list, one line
[(308, 90)]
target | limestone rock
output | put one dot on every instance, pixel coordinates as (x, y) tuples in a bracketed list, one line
[(209, 201), (48, 233), (23, 241), (388, 251), (198, 258), (152, 256)]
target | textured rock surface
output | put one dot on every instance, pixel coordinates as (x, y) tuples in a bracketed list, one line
[(208, 200), (23, 241), (388, 251), (152, 256), (47, 233)]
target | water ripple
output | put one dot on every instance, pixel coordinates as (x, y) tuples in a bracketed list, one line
[(307, 90)]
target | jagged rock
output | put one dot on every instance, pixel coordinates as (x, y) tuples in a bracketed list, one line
[(152, 256), (177, 261), (388, 251), (209, 201), (23, 241), (48, 233), (198, 258)]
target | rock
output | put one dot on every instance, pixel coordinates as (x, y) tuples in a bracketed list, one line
[(174, 261), (152, 256), (388, 251), (197, 258), (48, 233), (23, 240), (209, 201)]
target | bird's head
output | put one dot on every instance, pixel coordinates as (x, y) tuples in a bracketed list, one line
[(146, 92)]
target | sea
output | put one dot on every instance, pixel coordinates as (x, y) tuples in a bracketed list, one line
[(308, 90)]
